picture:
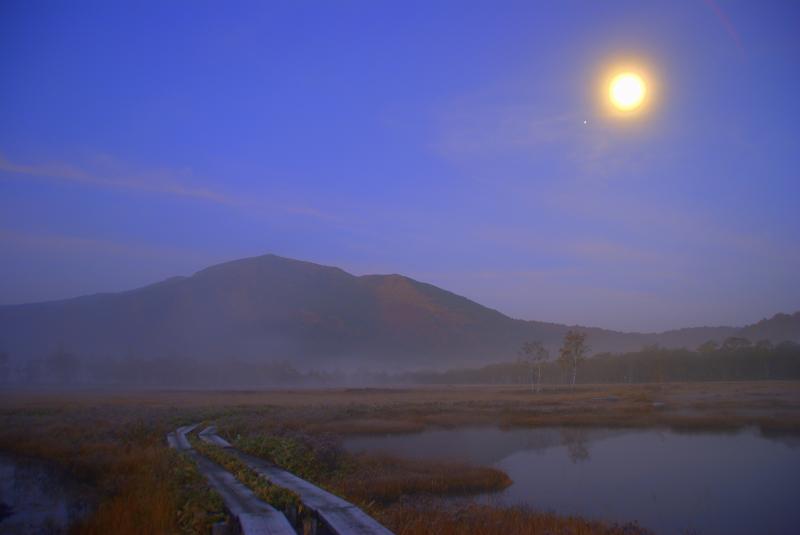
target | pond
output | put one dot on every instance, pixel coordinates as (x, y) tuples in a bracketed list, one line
[(673, 483), (35, 498)]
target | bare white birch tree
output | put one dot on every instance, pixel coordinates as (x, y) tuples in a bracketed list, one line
[(534, 355), (573, 352)]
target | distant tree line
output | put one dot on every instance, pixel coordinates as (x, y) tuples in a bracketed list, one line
[(63, 368), (733, 359)]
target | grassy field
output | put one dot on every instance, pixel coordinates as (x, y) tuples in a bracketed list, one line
[(114, 443)]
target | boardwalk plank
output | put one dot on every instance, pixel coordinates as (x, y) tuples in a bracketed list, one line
[(209, 435), (340, 516), (255, 517)]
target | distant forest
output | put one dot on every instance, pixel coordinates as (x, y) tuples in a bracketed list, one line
[(735, 359)]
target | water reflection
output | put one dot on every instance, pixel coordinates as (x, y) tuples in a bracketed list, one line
[(36, 499), (484, 446), (674, 483), (576, 441)]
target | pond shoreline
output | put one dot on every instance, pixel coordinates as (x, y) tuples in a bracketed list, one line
[(39, 497), (665, 480), (114, 441)]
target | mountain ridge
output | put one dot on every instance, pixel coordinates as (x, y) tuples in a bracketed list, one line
[(272, 307)]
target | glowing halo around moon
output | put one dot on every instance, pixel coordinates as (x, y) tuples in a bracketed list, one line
[(627, 91)]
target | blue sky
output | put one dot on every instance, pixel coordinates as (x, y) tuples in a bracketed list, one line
[(442, 140)]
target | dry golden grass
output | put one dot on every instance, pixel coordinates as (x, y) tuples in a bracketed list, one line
[(385, 479), (114, 443), (146, 503), (164, 494), (372, 426), (769, 405), (763, 396), (124, 465), (486, 520)]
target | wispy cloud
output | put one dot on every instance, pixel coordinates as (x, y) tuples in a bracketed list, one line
[(492, 129), (583, 252), (513, 142), (172, 183), (609, 251), (64, 243), (727, 24), (160, 182), (662, 220)]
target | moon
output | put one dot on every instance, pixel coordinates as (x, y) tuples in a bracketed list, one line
[(627, 91)]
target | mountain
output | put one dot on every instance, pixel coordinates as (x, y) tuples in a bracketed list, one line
[(275, 308)]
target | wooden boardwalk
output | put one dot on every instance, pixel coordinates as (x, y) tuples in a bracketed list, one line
[(253, 516), (337, 516)]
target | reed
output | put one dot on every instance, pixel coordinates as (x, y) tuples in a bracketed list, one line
[(487, 520), (385, 479)]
